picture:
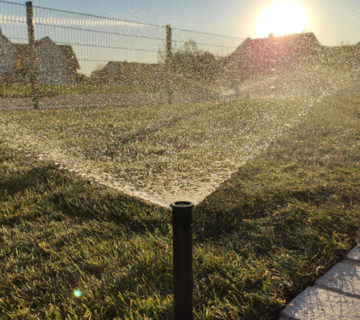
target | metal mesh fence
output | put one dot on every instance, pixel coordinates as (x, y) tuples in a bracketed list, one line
[(218, 45), (99, 40), (13, 36), (86, 60), (13, 21)]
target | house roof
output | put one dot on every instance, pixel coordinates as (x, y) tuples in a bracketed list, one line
[(70, 55), (2, 36), (123, 70), (121, 65), (282, 46), (288, 39), (23, 50), (259, 55)]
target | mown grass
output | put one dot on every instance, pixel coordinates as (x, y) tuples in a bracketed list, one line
[(23, 90), (263, 236), (147, 148), (18, 90)]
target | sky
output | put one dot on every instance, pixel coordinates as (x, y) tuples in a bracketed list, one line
[(333, 21)]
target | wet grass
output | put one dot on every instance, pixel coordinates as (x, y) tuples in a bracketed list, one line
[(17, 90), (145, 148), (288, 216), (23, 90), (264, 235)]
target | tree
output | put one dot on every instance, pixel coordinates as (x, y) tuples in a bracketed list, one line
[(191, 62)]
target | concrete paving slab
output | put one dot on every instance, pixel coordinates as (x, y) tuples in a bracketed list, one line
[(354, 254), (343, 277), (320, 304)]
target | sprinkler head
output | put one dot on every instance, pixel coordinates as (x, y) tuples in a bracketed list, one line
[(182, 204)]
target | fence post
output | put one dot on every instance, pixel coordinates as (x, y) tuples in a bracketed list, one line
[(31, 37), (168, 65), (182, 259)]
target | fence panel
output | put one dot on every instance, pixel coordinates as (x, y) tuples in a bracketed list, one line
[(217, 44), (98, 40), (88, 60), (109, 61), (13, 38), (13, 21)]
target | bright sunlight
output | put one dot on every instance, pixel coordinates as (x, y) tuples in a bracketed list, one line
[(280, 18)]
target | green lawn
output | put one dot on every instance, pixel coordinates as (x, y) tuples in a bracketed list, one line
[(280, 221), (24, 90), (146, 85)]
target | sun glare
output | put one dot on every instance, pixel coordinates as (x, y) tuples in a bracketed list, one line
[(280, 18)]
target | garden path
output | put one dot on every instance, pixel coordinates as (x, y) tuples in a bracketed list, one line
[(334, 296)]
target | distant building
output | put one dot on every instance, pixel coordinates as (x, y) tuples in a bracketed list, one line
[(262, 55), (55, 64), (126, 72), (7, 58)]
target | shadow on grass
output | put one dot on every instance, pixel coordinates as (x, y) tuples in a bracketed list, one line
[(20, 181), (60, 191), (295, 217), (82, 203)]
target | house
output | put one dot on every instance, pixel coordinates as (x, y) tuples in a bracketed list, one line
[(126, 72), (266, 54), (55, 64), (7, 58)]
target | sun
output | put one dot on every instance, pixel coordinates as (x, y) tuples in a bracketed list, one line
[(280, 18)]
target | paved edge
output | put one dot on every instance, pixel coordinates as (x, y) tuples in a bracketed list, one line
[(317, 303), (344, 278), (354, 254), (330, 297)]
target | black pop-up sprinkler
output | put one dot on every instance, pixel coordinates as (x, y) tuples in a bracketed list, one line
[(182, 258)]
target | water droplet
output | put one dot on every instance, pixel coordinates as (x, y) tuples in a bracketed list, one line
[(77, 293)]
